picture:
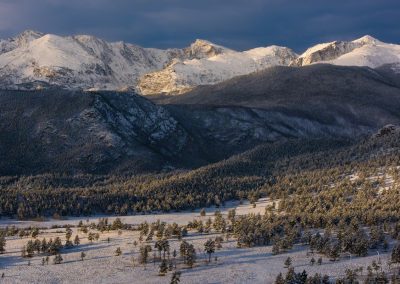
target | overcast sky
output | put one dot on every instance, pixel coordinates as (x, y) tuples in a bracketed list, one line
[(239, 24)]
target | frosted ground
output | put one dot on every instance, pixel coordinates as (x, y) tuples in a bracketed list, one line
[(245, 265)]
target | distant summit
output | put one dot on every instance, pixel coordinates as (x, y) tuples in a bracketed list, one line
[(34, 60)]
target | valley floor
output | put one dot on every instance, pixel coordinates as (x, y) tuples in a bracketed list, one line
[(101, 265)]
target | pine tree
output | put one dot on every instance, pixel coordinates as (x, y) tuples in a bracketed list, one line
[(55, 246), (159, 247), (35, 232), (23, 252), (288, 262), (176, 277), (91, 237), (190, 255), (183, 250), (2, 244), (396, 254), (77, 240), (231, 215), (57, 259), (68, 243), (144, 254), (43, 246), (165, 247), (30, 249), (209, 248), (334, 252), (118, 251), (279, 279), (290, 276), (163, 267), (83, 255), (275, 248)]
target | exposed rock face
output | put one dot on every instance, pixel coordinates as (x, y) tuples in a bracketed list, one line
[(203, 49), (365, 51), (86, 132), (325, 52)]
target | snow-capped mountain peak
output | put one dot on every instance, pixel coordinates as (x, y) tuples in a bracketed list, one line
[(367, 39), (33, 59), (27, 36), (21, 40), (77, 62), (203, 49), (183, 75), (325, 52), (365, 51)]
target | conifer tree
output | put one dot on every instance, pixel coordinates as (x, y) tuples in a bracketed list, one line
[(190, 256), (396, 254), (2, 243), (57, 259), (209, 248), (176, 277), (163, 267), (144, 254), (77, 240), (288, 262)]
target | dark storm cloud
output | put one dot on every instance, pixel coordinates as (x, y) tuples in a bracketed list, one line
[(237, 24)]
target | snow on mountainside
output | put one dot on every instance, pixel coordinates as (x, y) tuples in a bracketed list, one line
[(183, 75), (32, 60), (365, 51), (78, 62), (19, 41)]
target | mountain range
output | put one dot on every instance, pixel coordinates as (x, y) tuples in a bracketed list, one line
[(79, 104), (68, 131), (34, 60)]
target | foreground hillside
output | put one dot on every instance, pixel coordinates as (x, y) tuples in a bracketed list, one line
[(260, 171), (229, 264), (330, 213)]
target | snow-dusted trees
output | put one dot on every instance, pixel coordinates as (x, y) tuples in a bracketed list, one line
[(163, 267), (176, 277), (2, 243), (77, 240), (144, 254), (57, 259), (209, 248), (188, 253), (118, 251), (396, 254)]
